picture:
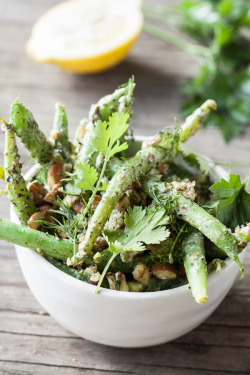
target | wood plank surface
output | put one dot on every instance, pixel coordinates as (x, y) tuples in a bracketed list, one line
[(31, 342)]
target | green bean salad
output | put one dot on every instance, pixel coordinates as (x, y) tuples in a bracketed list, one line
[(116, 212)]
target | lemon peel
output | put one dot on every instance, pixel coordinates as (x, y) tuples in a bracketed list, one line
[(86, 36)]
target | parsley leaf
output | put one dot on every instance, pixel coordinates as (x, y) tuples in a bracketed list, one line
[(71, 189), (106, 135), (143, 226), (105, 139), (234, 202), (84, 178), (1, 173)]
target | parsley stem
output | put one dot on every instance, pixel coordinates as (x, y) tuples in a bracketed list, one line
[(159, 10), (168, 16), (104, 273), (74, 240), (90, 201), (196, 51), (231, 164)]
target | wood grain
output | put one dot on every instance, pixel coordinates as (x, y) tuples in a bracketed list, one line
[(31, 342)]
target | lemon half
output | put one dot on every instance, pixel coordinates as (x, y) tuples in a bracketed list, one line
[(86, 36)]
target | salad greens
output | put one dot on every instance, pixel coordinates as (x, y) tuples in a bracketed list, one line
[(220, 30), (234, 202), (113, 216)]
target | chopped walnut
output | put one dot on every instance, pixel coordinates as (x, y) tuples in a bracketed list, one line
[(134, 286), (78, 206), (142, 274), (55, 174), (100, 244), (155, 173), (120, 277), (38, 191), (123, 204), (45, 208), (89, 271), (95, 278), (134, 197), (135, 185), (42, 214), (163, 169), (164, 271), (116, 220), (151, 158), (62, 234), (82, 238), (113, 283), (68, 200), (50, 197), (242, 234), (96, 201), (187, 188)]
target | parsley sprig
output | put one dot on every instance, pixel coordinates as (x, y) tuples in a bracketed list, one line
[(107, 135), (106, 140), (234, 201), (143, 226)]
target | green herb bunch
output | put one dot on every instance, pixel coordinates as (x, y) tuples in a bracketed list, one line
[(221, 32)]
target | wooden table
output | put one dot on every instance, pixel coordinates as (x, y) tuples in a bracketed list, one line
[(31, 342)]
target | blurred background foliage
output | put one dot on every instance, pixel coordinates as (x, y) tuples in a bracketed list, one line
[(220, 32)]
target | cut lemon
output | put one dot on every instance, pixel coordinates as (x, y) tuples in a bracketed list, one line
[(86, 36)]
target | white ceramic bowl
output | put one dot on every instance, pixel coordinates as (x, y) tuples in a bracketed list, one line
[(122, 319)]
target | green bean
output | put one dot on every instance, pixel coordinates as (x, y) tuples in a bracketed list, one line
[(195, 265), (18, 194), (33, 239), (31, 136), (195, 120), (60, 134)]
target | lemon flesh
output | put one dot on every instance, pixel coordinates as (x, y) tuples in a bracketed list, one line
[(86, 36)]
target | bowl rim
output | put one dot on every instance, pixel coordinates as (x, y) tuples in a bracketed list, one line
[(84, 286)]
